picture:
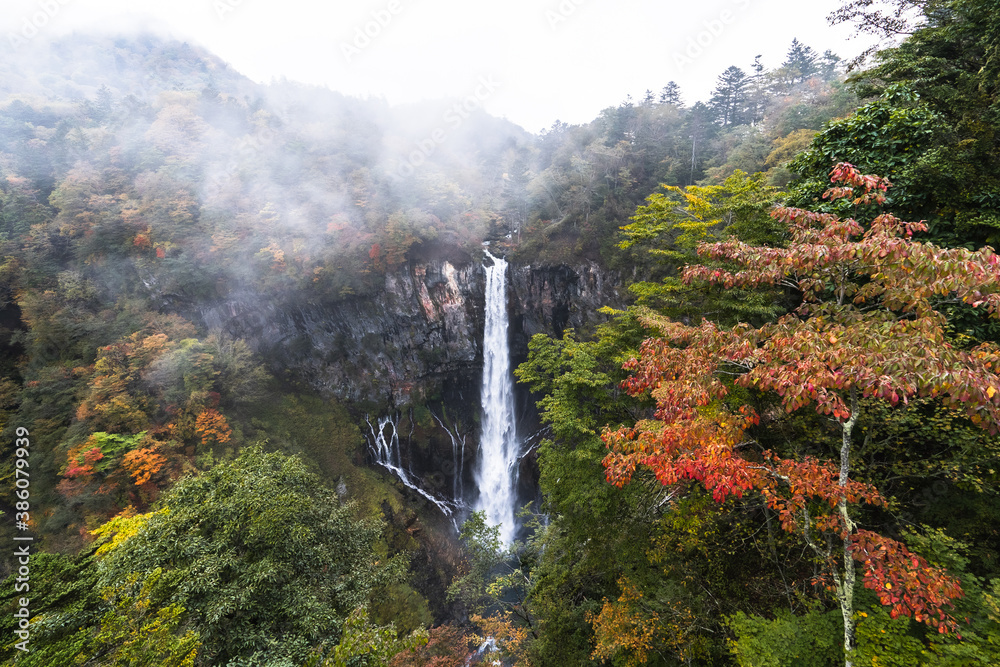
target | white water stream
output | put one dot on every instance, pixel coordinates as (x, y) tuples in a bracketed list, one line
[(385, 445), (499, 448)]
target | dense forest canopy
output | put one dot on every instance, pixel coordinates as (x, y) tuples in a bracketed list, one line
[(782, 451)]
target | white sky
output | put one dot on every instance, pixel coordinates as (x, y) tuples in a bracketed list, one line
[(552, 59)]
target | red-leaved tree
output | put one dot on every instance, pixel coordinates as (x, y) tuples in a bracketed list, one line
[(866, 328)]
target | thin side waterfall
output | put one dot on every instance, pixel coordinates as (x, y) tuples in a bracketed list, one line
[(457, 459), (498, 446), (385, 446)]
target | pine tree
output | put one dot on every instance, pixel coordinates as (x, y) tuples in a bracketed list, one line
[(671, 94), (756, 93), (800, 62), (829, 65), (729, 99)]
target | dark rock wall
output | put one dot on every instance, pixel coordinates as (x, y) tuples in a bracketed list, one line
[(550, 299), (419, 338)]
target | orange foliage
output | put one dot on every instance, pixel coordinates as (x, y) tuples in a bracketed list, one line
[(212, 426), (142, 464), (625, 626), (510, 637), (447, 646)]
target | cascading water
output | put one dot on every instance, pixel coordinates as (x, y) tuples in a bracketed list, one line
[(498, 446), (457, 459), (385, 446)]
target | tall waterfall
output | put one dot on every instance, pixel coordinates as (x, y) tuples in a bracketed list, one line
[(498, 446)]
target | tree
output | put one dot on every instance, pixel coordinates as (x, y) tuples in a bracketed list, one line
[(668, 228), (135, 632), (757, 95), (829, 65), (729, 99), (447, 646), (932, 127), (800, 62), (671, 94), (496, 587), (866, 330), (259, 553), (901, 18), (212, 427)]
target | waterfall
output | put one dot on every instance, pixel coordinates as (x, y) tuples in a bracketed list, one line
[(457, 460), (385, 446), (498, 446)]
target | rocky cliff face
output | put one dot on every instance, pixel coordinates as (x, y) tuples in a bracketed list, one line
[(550, 299), (421, 336)]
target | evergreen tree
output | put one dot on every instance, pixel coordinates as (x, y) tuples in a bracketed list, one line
[(729, 99), (700, 130), (671, 94), (757, 92), (829, 65), (800, 62)]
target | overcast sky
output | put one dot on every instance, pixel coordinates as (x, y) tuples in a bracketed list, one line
[(534, 61)]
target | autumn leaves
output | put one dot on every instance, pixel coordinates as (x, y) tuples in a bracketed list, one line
[(868, 327)]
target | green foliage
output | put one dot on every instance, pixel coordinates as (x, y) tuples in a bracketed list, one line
[(896, 135), (323, 433), (564, 371), (577, 382), (364, 645), (497, 584), (65, 604), (485, 556), (933, 129), (261, 555), (807, 640), (136, 632), (112, 447), (669, 228)]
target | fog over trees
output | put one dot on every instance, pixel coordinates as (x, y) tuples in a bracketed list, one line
[(775, 444)]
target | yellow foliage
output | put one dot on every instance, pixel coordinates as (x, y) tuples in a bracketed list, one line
[(787, 147), (625, 627), (510, 638), (123, 526)]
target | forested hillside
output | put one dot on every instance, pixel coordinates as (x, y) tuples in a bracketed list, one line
[(807, 476), (780, 449)]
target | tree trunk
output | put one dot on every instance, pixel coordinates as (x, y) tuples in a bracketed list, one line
[(845, 586)]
